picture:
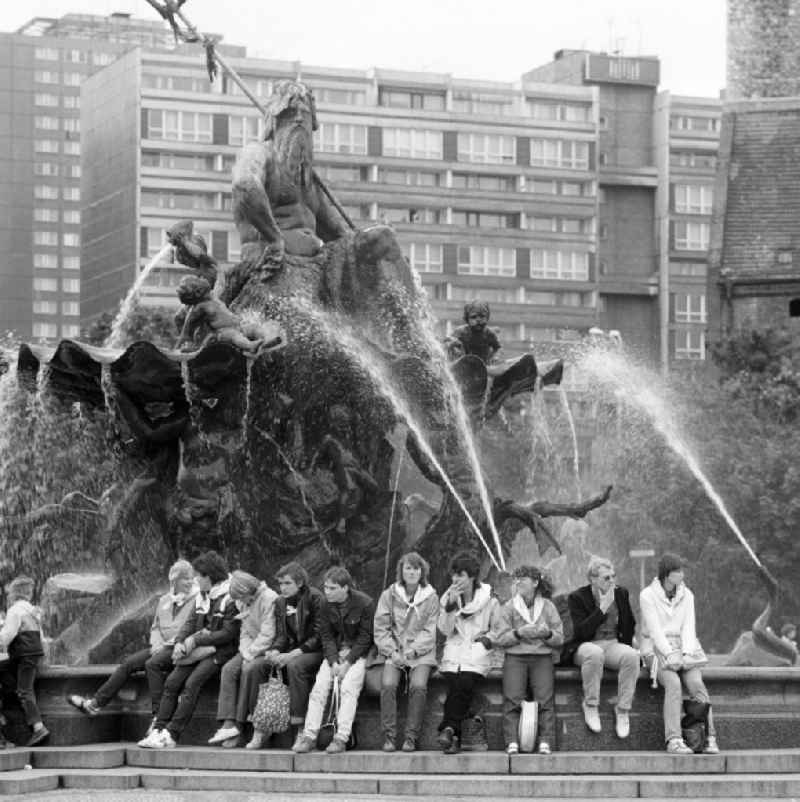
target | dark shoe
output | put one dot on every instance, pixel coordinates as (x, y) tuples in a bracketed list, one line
[(454, 748), (446, 736), (409, 745), (388, 745), (38, 736)]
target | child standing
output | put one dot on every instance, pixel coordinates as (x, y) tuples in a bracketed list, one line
[(21, 637)]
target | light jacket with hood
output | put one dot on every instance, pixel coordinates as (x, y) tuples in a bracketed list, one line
[(258, 623), (515, 614), (172, 612), (404, 625), (21, 634), (665, 622), (461, 624)]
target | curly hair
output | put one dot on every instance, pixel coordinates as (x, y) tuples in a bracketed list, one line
[(193, 289), (212, 565), (544, 587), (473, 307)]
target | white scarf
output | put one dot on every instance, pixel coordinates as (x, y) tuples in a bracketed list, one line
[(522, 608), (203, 603)]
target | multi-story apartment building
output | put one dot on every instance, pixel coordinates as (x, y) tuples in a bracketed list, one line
[(42, 67)]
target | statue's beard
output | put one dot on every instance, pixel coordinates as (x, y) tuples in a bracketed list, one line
[(295, 150)]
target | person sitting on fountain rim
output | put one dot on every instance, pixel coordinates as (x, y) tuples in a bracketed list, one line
[(603, 627), (469, 618), (346, 634), (669, 637), (531, 633), (241, 675), (172, 611), (207, 640), (212, 319), (297, 649), (405, 635), (21, 638)]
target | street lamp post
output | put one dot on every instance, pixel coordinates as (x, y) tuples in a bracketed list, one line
[(641, 554)]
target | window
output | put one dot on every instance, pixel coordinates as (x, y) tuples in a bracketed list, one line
[(72, 193), (574, 189), (181, 126), (244, 129), (540, 298), (101, 59), (500, 295), (401, 99), (70, 308), (72, 78), (45, 331), (483, 219), (71, 284), (487, 260), (45, 215), (695, 269), (690, 344), (405, 214), (70, 330), (341, 138), (46, 146), (539, 187), (41, 99), (684, 122), (488, 183), (691, 236), (412, 143), (71, 263), (482, 103), (573, 225), (694, 198), (72, 101), (45, 285), (261, 87), (542, 223), (45, 238), (560, 153), (156, 239), (46, 53), (690, 308), (76, 56), (72, 124), (185, 200), (72, 216), (177, 83), (72, 148), (411, 178), (688, 158), (487, 148), (425, 257), (343, 97), (180, 161), (47, 123), (564, 265), (44, 192), (45, 168), (555, 110), (47, 260), (72, 240), (45, 76), (45, 308)]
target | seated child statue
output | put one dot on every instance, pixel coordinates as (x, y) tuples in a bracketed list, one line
[(509, 377), (211, 319)]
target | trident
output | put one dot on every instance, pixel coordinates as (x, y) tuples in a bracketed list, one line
[(169, 10)]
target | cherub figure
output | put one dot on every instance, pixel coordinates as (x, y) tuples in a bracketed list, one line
[(191, 250), (210, 318)]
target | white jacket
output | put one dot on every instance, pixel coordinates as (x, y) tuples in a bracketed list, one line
[(461, 626), (663, 617)]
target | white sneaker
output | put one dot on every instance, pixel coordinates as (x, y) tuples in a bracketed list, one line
[(222, 734), (544, 748), (592, 718), (167, 741), (257, 741), (152, 740), (623, 723)]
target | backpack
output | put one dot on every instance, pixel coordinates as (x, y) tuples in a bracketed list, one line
[(694, 724)]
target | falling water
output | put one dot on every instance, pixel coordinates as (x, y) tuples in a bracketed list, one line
[(576, 466), (115, 337), (462, 423), (335, 331), (637, 386), (298, 478), (391, 518)]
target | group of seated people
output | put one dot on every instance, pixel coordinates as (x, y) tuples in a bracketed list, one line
[(213, 622)]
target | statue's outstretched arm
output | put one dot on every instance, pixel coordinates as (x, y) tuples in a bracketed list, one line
[(251, 205)]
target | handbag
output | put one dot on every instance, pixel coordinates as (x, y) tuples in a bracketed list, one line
[(695, 659), (694, 724), (196, 655), (328, 729), (271, 713), (528, 726)]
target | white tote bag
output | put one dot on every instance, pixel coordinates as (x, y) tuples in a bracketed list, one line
[(528, 724)]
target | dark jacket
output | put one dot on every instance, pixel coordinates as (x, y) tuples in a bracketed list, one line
[(586, 618), (310, 602), (218, 627), (347, 624)]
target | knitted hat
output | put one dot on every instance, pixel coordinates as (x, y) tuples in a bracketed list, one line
[(243, 584)]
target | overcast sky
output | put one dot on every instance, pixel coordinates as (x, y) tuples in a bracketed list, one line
[(492, 39)]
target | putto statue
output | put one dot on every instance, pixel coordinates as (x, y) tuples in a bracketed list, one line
[(277, 204)]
